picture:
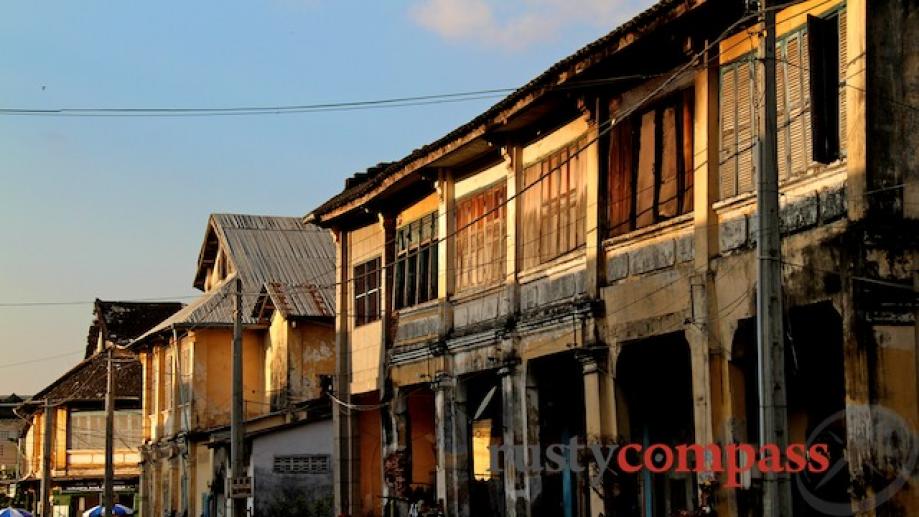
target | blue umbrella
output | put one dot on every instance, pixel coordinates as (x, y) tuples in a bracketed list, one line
[(14, 512), (99, 511)]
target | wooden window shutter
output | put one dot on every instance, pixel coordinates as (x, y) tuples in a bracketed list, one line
[(782, 120), (823, 77), (531, 207), (746, 126), (668, 202), (686, 139), (843, 75), (576, 195), (620, 177), (727, 167), (645, 184), (797, 144)]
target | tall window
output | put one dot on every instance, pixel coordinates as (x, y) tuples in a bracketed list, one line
[(367, 292), (480, 237), (651, 165), (810, 117), (553, 205), (85, 426), (415, 268)]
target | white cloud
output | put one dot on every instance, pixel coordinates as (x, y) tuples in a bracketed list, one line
[(515, 24)]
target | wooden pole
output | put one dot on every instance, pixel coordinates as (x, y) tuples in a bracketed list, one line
[(237, 470), (48, 425), (109, 494)]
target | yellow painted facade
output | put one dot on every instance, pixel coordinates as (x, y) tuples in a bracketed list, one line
[(671, 301)]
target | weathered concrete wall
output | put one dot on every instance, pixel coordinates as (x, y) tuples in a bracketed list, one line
[(292, 494), (312, 355), (893, 79), (212, 359), (296, 354), (365, 340), (487, 306), (694, 276)]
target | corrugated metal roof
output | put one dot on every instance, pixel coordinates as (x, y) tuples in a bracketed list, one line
[(304, 300), (263, 250)]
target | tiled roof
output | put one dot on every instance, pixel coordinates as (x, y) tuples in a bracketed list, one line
[(121, 322), (262, 250), (88, 380), (561, 72), (8, 403)]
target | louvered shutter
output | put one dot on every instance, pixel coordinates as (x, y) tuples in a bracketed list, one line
[(645, 184), (746, 128), (668, 202), (797, 129), (687, 142), (843, 77), (727, 167), (620, 179), (781, 69), (806, 103)]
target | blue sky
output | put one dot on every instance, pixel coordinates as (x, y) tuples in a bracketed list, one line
[(115, 208)]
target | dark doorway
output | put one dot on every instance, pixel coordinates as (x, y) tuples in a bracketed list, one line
[(559, 387), (815, 393), (486, 431), (815, 376), (655, 377)]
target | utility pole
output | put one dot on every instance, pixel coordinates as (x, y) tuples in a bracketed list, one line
[(770, 336), (108, 495), (237, 473), (47, 426)]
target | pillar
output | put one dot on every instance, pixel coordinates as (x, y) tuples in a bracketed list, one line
[(515, 483), (396, 449), (600, 416), (452, 445)]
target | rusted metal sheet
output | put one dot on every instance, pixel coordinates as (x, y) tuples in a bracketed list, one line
[(295, 258)]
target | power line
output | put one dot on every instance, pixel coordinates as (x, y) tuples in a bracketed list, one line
[(91, 302), (609, 123), (40, 359), (418, 100)]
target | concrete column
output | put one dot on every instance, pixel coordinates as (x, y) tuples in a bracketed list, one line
[(388, 327), (600, 417), (515, 483), (705, 165), (701, 384), (513, 156), (446, 225), (856, 77), (594, 227), (858, 380), (345, 447), (451, 424), (530, 416), (396, 448)]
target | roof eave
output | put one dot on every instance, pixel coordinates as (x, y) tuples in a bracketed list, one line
[(561, 72)]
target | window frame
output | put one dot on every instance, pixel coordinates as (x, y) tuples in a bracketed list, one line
[(627, 160), (480, 218), (415, 250), (555, 207), (788, 111), (367, 286)]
